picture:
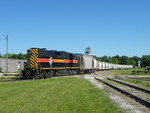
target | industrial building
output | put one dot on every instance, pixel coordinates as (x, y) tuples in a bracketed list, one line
[(14, 65)]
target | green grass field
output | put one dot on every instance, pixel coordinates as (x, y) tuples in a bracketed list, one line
[(57, 95), (141, 82)]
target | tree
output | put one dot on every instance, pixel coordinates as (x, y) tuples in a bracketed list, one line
[(132, 61), (118, 58), (104, 58), (16, 56), (136, 59), (114, 61), (124, 60), (145, 60)]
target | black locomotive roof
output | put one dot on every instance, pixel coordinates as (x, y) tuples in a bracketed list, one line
[(44, 49)]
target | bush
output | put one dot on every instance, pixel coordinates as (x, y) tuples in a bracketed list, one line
[(0, 69)]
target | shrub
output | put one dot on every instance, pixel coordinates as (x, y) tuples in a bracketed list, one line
[(0, 69)]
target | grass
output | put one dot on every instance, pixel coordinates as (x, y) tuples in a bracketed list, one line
[(141, 82), (58, 95), (3, 79), (129, 71)]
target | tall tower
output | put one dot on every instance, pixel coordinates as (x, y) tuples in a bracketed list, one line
[(88, 51)]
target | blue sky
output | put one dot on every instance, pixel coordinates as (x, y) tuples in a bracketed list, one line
[(109, 27)]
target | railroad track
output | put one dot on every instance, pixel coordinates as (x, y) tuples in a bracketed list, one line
[(127, 93), (132, 86), (21, 79), (139, 78)]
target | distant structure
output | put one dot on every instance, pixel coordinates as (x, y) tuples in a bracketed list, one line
[(14, 65), (88, 51)]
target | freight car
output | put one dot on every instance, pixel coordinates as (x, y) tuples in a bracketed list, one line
[(86, 63), (42, 63)]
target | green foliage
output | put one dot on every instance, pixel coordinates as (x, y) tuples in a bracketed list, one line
[(0, 69), (145, 60), (136, 59), (125, 60), (131, 61), (114, 61), (15, 56)]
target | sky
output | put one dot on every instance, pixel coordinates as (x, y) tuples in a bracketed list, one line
[(108, 27)]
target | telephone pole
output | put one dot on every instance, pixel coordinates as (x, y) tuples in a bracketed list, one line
[(6, 37), (6, 53)]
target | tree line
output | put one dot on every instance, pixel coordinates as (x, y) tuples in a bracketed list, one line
[(15, 56), (144, 60)]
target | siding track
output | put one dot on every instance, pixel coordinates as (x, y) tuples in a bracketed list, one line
[(139, 78), (132, 96), (135, 87)]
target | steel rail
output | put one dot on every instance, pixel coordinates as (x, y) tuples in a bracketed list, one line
[(135, 87), (139, 78), (136, 98)]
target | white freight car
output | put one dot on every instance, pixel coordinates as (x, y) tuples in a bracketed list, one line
[(86, 63)]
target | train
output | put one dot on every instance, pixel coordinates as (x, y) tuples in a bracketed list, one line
[(43, 63)]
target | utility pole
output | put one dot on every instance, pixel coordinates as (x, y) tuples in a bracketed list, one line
[(6, 53)]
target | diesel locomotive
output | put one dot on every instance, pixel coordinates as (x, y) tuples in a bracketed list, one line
[(42, 63)]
